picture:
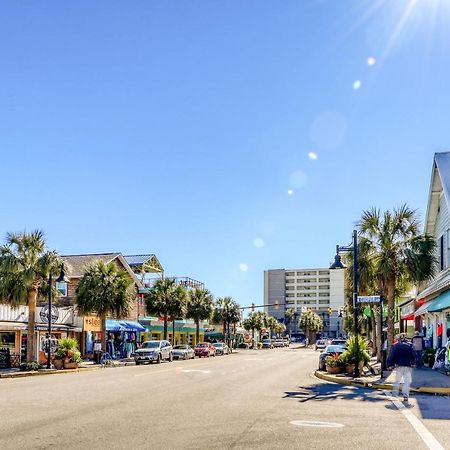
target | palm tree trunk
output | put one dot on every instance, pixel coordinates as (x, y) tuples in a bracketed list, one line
[(103, 321), (197, 331), (165, 328), (379, 336), (390, 315), (31, 338), (173, 332)]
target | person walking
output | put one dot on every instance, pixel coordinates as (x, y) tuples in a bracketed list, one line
[(418, 346), (402, 358)]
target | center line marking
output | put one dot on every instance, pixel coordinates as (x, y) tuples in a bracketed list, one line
[(430, 441)]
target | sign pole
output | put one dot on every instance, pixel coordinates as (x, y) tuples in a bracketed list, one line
[(50, 283)]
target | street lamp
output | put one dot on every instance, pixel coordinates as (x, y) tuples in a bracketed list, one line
[(61, 279), (338, 265)]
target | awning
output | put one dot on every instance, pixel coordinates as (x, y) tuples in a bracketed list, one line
[(13, 326), (441, 302), (123, 325), (130, 325), (423, 309)]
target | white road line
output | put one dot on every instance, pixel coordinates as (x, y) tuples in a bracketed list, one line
[(430, 441)]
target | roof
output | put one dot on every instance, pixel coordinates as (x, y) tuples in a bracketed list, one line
[(78, 264), (144, 263), (440, 182)]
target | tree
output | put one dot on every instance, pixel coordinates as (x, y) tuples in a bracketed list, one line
[(271, 324), (310, 323), (25, 266), (252, 323), (162, 298), (226, 312), (289, 313), (177, 307), (105, 290), (400, 255), (199, 307)]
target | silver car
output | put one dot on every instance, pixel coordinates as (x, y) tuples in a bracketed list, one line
[(183, 352), (221, 348), (154, 351)]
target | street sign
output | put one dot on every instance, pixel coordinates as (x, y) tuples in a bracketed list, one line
[(369, 299)]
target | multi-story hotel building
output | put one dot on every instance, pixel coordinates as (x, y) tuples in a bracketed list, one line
[(321, 290)]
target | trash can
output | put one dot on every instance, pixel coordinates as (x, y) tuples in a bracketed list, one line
[(97, 356)]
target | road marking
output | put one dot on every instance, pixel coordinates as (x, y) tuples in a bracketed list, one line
[(311, 423), (430, 441)]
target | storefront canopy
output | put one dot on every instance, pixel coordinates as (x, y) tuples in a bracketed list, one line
[(123, 325), (441, 302)]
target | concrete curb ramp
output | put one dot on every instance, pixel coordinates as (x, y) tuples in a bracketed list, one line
[(381, 386), (37, 373)]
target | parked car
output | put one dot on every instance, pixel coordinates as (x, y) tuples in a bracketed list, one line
[(320, 344), (339, 342), (183, 352), (243, 345), (278, 343), (267, 343), (221, 348), (329, 350), (153, 351), (205, 349)]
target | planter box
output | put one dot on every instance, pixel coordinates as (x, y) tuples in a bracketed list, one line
[(333, 370), (350, 368), (70, 365), (58, 363)]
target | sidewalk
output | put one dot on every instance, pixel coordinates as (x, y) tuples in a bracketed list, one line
[(424, 380)]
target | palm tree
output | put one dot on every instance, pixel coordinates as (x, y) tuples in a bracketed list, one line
[(271, 324), (400, 255), (226, 312), (253, 322), (289, 313), (177, 307), (106, 290), (199, 307), (25, 266), (310, 322), (160, 299)]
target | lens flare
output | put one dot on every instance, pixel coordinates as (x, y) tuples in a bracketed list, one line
[(357, 85), (312, 156), (258, 243), (290, 192), (371, 61), (243, 267)]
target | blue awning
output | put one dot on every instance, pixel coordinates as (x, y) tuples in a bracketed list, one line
[(113, 325), (440, 302), (130, 325)]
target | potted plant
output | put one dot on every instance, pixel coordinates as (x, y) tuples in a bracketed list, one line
[(68, 353), (333, 363), (348, 357)]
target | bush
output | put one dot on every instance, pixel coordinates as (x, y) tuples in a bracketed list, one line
[(334, 360), (31, 366), (349, 355), (68, 349)]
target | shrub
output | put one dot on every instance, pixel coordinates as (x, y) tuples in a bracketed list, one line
[(68, 349), (334, 360), (349, 355), (30, 366)]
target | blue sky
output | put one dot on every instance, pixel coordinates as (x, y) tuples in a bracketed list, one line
[(178, 128)]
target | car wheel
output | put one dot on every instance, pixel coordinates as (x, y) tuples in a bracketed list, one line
[(185, 356), (158, 361), (137, 363)]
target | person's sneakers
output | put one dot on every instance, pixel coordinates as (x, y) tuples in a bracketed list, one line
[(405, 399)]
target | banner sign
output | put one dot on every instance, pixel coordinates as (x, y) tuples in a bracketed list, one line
[(369, 299), (92, 323)]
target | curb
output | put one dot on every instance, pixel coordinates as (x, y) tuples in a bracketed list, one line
[(380, 386), (38, 373)]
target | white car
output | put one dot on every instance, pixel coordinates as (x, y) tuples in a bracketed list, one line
[(153, 351), (320, 344)]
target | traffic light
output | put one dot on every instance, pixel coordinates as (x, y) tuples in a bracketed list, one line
[(330, 311), (277, 304), (253, 307)]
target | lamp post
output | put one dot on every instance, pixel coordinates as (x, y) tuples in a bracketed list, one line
[(61, 279), (338, 265)]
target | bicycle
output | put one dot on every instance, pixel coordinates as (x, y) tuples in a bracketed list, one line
[(106, 361)]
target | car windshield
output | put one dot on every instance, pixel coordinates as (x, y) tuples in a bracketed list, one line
[(266, 341), (151, 344), (334, 349), (180, 347), (218, 344), (203, 344)]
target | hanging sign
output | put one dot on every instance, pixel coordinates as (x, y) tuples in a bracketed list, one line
[(43, 314), (92, 323), (369, 299)]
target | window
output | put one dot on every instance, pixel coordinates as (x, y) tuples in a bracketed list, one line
[(441, 253), (290, 281), (290, 288), (62, 289), (290, 274), (290, 295), (324, 302), (324, 294), (324, 280), (324, 272), (324, 287)]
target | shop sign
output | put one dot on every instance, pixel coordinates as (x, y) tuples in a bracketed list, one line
[(92, 323), (43, 314)]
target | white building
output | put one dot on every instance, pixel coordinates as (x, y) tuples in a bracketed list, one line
[(321, 290), (434, 298)]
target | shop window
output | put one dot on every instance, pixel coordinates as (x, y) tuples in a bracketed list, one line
[(62, 289)]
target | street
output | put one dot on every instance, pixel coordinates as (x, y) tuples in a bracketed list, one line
[(247, 400)]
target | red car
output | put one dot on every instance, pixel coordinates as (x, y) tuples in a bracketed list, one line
[(204, 349)]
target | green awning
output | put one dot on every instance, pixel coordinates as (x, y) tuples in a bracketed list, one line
[(441, 302)]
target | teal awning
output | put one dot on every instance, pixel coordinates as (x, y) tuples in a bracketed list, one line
[(441, 302)]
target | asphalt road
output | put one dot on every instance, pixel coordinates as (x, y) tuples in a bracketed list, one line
[(241, 401)]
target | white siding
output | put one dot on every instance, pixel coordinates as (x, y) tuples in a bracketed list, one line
[(442, 227)]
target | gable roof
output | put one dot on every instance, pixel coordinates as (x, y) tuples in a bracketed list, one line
[(440, 182), (78, 263), (144, 263)]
